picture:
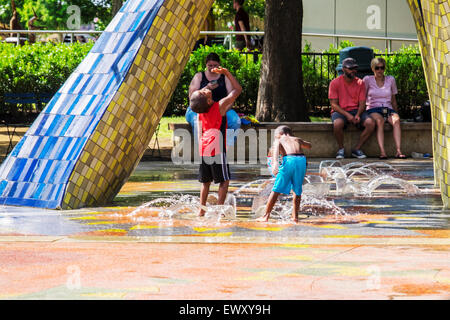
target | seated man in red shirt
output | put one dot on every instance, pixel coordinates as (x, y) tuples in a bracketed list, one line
[(212, 126), (347, 94)]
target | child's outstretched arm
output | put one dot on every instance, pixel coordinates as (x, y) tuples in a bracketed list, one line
[(227, 102), (305, 144), (275, 155)]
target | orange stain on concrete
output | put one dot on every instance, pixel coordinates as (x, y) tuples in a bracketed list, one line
[(436, 233), (133, 187), (422, 289)]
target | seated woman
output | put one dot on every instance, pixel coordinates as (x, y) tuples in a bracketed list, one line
[(382, 105)]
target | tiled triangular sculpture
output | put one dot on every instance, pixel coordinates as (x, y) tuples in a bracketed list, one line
[(87, 141)]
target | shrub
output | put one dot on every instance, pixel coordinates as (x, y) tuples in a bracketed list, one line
[(37, 68), (43, 68)]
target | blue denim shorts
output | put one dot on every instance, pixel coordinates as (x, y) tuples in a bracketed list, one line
[(380, 111), (336, 115)]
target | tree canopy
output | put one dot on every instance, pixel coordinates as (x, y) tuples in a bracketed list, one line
[(53, 14), (281, 96)]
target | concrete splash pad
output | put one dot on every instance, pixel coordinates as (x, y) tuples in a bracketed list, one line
[(388, 246)]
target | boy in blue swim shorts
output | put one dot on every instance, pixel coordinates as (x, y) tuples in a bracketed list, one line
[(290, 174)]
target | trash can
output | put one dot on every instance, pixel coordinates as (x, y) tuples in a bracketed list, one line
[(362, 55)]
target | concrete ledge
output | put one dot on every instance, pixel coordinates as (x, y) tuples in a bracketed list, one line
[(416, 137)]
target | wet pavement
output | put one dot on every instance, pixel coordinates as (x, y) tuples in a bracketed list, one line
[(389, 245)]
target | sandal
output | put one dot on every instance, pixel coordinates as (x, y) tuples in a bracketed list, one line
[(382, 157), (400, 156)]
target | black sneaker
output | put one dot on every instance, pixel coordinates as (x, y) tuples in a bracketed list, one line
[(340, 154)]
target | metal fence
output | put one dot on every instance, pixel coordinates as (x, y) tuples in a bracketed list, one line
[(318, 68)]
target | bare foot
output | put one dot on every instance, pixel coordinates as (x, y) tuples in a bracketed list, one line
[(262, 219)]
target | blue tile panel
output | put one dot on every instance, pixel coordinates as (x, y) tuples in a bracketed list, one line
[(36, 172)]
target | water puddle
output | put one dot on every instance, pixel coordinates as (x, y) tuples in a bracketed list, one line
[(336, 196), (333, 181)]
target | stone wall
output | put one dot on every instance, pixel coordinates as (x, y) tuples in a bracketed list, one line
[(254, 141)]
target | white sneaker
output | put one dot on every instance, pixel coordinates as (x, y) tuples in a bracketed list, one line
[(340, 154)]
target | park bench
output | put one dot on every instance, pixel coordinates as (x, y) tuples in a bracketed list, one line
[(27, 98), (11, 123)]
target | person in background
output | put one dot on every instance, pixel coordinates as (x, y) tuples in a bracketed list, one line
[(241, 23), (382, 105), (348, 103)]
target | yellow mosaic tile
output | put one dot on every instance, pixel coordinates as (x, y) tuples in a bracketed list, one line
[(433, 36)]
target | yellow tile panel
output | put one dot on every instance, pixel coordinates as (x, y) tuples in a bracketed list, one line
[(433, 38)]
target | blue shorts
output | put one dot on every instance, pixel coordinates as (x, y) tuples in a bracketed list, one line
[(290, 175), (336, 115), (269, 164), (379, 110)]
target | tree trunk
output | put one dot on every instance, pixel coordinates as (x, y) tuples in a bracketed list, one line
[(115, 7), (281, 96)]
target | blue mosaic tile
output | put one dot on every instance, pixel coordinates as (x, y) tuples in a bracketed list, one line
[(37, 170), (3, 185)]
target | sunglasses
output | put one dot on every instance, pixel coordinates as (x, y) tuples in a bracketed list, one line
[(353, 68), (379, 68)]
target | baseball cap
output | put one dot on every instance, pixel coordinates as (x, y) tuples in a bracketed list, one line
[(349, 63)]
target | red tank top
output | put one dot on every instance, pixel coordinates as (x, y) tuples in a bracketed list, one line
[(213, 134)]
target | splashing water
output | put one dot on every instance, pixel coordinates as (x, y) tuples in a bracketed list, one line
[(349, 179), (355, 178), (410, 188), (313, 200), (177, 206)]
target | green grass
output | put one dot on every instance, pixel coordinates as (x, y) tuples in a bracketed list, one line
[(164, 131), (320, 119)]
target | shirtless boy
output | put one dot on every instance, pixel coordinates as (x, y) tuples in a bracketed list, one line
[(291, 173)]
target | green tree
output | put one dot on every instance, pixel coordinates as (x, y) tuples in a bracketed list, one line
[(53, 13), (281, 96)]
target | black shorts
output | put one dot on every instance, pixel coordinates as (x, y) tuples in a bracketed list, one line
[(217, 171)]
